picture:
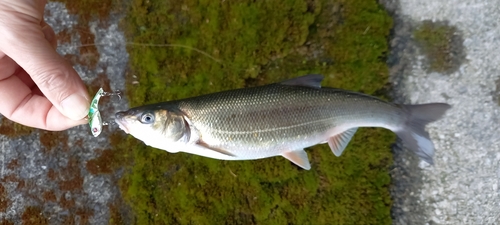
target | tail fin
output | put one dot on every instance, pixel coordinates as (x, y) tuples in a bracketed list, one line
[(413, 133)]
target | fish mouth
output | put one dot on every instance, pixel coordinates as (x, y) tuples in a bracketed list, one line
[(120, 120)]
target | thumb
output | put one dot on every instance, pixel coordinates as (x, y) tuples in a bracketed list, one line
[(26, 44)]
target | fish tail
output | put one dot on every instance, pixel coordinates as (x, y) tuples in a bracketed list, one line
[(413, 131)]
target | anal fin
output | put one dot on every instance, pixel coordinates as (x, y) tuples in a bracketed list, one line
[(299, 158), (338, 142)]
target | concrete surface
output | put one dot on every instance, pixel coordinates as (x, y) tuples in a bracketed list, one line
[(462, 186), (47, 172)]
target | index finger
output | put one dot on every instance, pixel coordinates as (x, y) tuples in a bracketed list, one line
[(23, 40), (21, 105)]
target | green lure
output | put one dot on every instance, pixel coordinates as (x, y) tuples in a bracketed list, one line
[(95, 120)]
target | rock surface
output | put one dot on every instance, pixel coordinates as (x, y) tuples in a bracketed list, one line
[(51, 173), (462, 186)]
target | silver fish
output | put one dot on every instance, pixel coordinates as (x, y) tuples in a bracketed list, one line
[(279, 119)]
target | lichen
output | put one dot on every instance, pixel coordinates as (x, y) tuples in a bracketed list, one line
[(442, 44)]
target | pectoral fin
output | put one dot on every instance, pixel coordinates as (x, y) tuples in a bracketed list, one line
[(299, 157), (221, 151), (338, 142)]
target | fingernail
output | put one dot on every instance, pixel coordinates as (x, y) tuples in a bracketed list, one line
[(75, 107)]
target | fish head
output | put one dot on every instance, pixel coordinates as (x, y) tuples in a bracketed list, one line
[(154, 126)]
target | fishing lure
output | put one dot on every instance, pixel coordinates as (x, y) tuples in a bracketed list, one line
[(94, 116)]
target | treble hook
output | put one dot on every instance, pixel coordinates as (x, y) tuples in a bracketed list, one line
[(104, 123), (117, 93)]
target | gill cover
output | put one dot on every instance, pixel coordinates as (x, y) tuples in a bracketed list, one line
[(175, 127)]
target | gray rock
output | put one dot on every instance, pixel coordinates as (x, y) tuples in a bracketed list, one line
[(54, 180), (462, 186)]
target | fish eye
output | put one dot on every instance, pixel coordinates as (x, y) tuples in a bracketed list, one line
[(147, 118)]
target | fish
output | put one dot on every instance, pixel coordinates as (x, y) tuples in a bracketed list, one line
[(277, 119)]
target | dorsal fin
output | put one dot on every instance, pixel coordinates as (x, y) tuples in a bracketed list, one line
[(310, 80)]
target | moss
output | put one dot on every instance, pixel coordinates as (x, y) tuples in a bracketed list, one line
[(103, 164), (116, 217), (101, 81), (67, 203), (33, 216), (87, 11), (13, 130), (13, 178), (52, 174), (53, 141), (72, 179), (256, 43), (6, 222), (13, 164), (84, 215), (49, 196), (442, 45), (4, 201)]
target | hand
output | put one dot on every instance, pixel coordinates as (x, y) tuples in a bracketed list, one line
[(38, 87)]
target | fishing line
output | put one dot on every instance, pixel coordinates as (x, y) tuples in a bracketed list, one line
[(94, 117), (152, 45)]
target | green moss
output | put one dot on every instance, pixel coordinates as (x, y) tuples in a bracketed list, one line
[(13, 130), (90, 9), (4, 201), (442, 45), (6, 222), (257, 43), (33, 216)]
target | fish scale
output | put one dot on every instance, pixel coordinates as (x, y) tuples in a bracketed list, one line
[(299, 111), (263, 117), (279, 119)]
